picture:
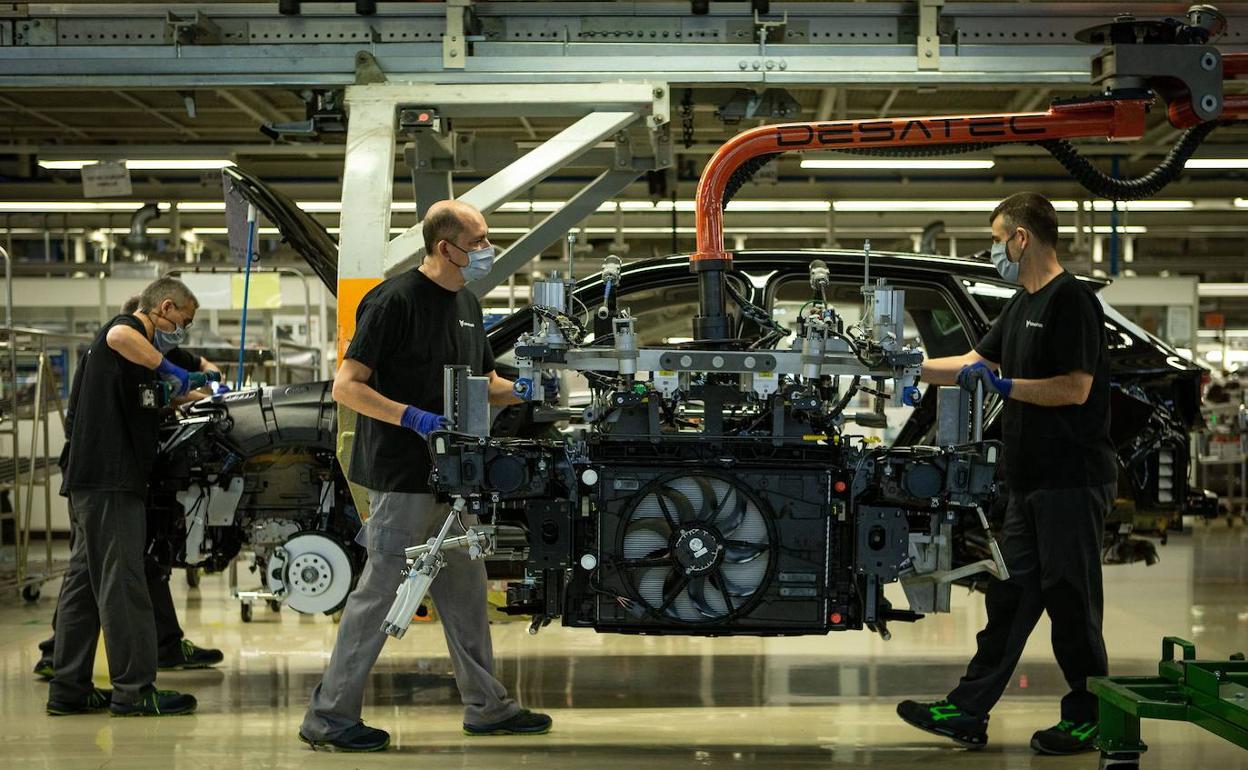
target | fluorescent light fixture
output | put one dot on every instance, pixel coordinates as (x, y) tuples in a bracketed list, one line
[(143, 164), (1105, 229), (71, 207), (1150, 205), (1228, 333), (1223, 163), (224, 231), (1222, 289), (985, 206), (898, 165), (201, 206), (778, 205)]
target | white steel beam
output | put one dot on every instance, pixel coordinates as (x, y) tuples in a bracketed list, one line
[(608, 184), (548, 157)]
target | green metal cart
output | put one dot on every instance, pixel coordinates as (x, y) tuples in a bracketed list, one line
[(1212, 694)]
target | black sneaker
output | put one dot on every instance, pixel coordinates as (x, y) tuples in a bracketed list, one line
[(525, 722), (943, 718), (96, 702), (359, 737), (1066, 737), (156, 703), (43, 669), (187, 655)]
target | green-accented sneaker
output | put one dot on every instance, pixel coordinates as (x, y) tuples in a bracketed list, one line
[(356, 738), (945, 719), (96, 702), (156, 703), (43, 669), (187, 656), (1066, 737), (525, 722)]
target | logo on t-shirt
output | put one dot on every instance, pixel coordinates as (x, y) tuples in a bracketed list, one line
[(1029, 324), (470, 325)]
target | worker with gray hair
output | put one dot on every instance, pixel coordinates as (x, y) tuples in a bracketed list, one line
[(133, 364), (175, 651)]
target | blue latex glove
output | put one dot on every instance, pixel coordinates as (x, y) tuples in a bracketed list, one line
[(171, 373), (422, 422), (219, 389), (550, 387), (979, 372), (523, 388)]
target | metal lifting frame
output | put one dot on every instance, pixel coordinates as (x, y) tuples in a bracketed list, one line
[(1119, 118), (368, 253)]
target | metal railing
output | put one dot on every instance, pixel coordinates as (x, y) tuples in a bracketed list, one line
[(22, 474)]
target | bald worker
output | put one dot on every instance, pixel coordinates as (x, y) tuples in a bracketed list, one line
[(407, 329)]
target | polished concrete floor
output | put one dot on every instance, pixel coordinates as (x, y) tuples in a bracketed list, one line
[(632, 702)]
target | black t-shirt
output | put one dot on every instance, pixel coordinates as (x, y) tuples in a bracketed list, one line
[(407, 329), (1058, 330), (111, 434)]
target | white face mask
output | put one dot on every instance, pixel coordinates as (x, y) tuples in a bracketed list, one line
[(479, 262), (1001, 259)]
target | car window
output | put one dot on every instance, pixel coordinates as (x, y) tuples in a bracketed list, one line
[(931, 323), (990, 296)]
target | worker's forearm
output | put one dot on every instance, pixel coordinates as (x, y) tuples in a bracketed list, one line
[(362, 398), (944, 371), (502, 391), (1063, 390)]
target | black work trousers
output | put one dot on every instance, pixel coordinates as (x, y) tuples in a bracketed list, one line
[(168, 630), (1051, 543)]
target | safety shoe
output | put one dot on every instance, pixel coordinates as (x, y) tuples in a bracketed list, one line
[(524, 722), (359, 738), (43, 669), (187, 655), (96, 702), (1066, 737), (156, 703), (943, 718)]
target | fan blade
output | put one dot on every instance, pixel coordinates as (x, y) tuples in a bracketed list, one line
[(697, 592), (667, 512), (735, 516), (743, 579), (675, 583), (709, 505), (656, 527), (650, 585), (739, 551), (684, 508)]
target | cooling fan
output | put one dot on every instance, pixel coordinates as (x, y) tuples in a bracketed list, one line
[(696, 548)]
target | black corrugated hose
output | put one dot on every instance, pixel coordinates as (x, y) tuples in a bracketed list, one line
[(1099, 183)]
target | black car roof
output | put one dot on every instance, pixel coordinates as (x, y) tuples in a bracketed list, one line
[(800, 258)]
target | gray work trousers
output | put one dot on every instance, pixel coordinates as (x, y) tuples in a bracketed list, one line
[(105, 586), (398, 520)]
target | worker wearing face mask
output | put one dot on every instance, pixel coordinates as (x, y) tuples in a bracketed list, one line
[(174, 650), (1045, 357), (408, 329), (123, 382)]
